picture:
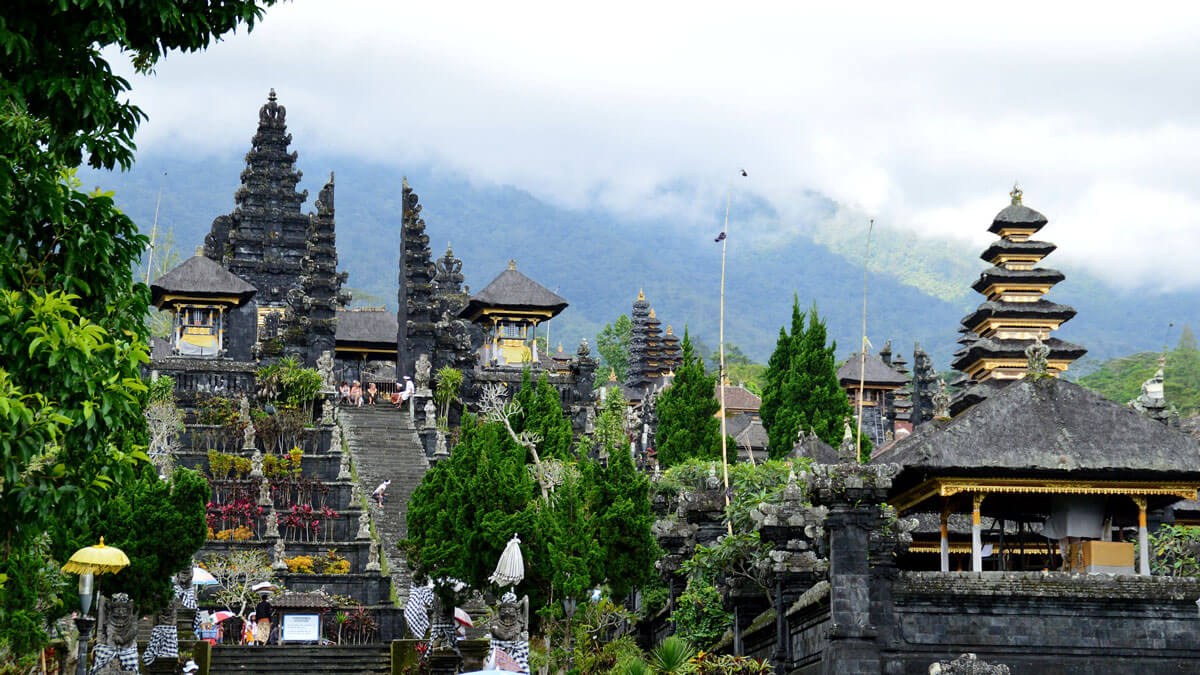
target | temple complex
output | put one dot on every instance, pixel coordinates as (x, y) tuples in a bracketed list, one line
[(871, 383), (1014, 314)]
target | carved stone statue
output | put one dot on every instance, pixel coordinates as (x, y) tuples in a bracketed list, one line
[(325, 367), (423, 369), (364, 526), (164, 637), (847, 449), (430, 414), (117, 638), (510, 629), (279, 564), (373, 557), (272, 525)]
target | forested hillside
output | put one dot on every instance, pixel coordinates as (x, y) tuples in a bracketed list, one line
[(1121, 379), (598, 261)]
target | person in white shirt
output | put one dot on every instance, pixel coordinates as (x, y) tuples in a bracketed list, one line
[(381, 492)]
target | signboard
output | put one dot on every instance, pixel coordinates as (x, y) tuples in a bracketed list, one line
[(301, 628)]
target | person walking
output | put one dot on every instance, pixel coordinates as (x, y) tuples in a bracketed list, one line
[(380, 492), (262, 627)]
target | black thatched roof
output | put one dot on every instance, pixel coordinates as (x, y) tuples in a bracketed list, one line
[(1017, 215), (814, 448), (200, 277), (999, 274), (877, 372), (513, 290), (366, 327), (1014, 349), (1040, 309), (1039, 248), (1046, 427)]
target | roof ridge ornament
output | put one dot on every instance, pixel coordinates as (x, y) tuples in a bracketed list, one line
[(1037, 354), (1016, 194), (641, 295), (941, 402), (512, 263)]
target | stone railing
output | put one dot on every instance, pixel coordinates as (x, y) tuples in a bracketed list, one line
[(201, 376)]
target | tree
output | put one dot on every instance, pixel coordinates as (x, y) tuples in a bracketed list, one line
[(802, 390), (610, 434), (740, 370), (467, 507), (542, 414), (159, 524), (619, 499), (687, 426), (613, 345), (72, 318), (238, 571), (166, 258)]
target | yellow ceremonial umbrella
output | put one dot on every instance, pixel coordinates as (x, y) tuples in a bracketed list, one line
[(98, 559), (90, 560)]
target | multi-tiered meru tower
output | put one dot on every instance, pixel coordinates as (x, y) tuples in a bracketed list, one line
[(1014, 314)]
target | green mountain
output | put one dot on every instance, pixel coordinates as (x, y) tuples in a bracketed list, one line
[(599, 261)]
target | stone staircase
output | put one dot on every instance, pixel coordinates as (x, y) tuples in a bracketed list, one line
[(384, 445), (230, 660)]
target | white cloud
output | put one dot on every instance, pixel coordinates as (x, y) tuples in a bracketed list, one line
[(921, 115)]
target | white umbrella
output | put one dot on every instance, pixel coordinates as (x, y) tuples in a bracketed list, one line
[(511, 568), (263, 586), (461, 616), (202, 577)]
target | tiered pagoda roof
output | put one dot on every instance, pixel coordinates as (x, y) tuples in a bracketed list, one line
[(1014, 313), (651, 356), (512, 291)]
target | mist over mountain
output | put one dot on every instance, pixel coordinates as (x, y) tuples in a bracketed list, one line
[(918, 288)]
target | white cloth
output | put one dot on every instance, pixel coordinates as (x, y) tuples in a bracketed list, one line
[(408, 390), (379, 490)]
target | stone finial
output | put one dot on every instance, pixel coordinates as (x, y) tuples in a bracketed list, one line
[(373, 557), (584, 349), (847, 450), (512, 263), (344, 467), (439, 451), (1016, 194), (941, 402), (1036, 354), (967, 664), (364, 526)]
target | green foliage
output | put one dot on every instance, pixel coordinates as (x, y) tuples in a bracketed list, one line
[(53, 68), (619, 500), (541, 413), (613, 345), (1176, 551), (159, 524), (610, 434), (699, 617), (740, 370), (162, 390), (687, 427), (673, 655), (289, 383), (467, 507), (1121, 379), (449, 382), (802, 390)]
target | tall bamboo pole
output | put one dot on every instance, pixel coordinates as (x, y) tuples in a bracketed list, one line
[(862, 348)]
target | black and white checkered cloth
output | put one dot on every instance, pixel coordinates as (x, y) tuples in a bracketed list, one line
[(164, 642), (510, 655), (128, 657), (416, 610)]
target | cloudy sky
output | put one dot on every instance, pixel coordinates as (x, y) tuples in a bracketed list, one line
[(921, 116)]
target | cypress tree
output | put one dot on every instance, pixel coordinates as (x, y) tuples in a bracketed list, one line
[(541, 412), (687, 426), (802, 391), (619, 498)]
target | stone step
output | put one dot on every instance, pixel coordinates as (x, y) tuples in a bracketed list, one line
[(300, 659)]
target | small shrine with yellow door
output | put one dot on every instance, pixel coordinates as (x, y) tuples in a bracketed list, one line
[(200, 294), (509, 310)]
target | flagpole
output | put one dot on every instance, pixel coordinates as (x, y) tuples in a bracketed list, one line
[(721, 347), (154, 230), (721, 341), (862, 348)]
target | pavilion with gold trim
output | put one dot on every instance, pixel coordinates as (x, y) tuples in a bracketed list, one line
[(509, 310), (199, 293), (1081, 472)]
